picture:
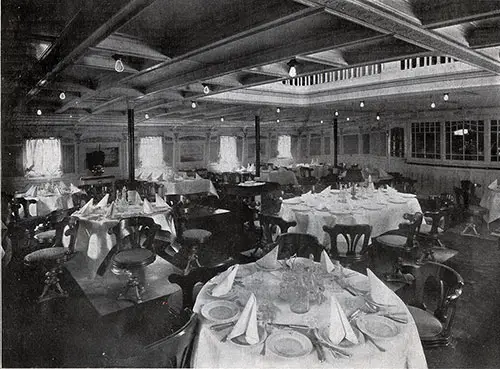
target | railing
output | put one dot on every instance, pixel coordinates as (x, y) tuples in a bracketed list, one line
[(425, 61)]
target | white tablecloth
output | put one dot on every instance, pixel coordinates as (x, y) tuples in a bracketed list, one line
[(47, 204), (386, 216), (404, 350), (189, 186), (283, 177), (94, 240), (491, 201)]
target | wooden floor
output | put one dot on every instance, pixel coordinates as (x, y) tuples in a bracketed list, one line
[(69, 333)]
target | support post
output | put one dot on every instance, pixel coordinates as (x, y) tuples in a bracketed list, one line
[(335, 141), (131, 145), (257, 146)]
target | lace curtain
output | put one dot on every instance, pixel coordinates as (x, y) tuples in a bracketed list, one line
[(151, 152), (43, 158), (284, 146), (228, 156)]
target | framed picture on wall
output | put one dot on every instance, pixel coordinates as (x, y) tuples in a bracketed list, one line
[(191, 151), (111, 156)]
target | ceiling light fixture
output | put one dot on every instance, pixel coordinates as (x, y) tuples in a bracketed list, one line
[(292, 71), (119, 66), (206, 89), (378, 116), (277, 120), (222, 119), (278, 110), (433, 105), (348, 119), (62, 95), (362, 104), (446, 97), (193, 104), (146, 116), (38, 112), (336, 113), (321, 121)]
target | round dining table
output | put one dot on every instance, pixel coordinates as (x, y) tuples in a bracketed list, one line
[(212, 349)]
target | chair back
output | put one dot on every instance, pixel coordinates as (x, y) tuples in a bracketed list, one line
[(273, 226), (199, 275), (135, 232), (412, 227), (71, 230), (436, 288), (300, 244), (352, 235), (172, 351)]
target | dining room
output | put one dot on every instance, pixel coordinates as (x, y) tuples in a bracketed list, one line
[(284, 183)]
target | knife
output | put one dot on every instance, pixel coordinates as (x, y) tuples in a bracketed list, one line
[(222, 326), (293, 326), (318, 347)]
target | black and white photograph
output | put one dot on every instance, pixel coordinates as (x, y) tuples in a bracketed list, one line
[(250, 184)]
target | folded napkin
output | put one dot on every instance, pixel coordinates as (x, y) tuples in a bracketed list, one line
[(138, 176), (134, 198), (226, 282), (270, 260), (31, 191), (382, 173), (197, 176), (493, 185), (339, 328), (370, 178), (149, 177), (326, 262), (87, 208), (160, 177), (247, 323), (104, 201), (62, 185), (147, 208), (73, 189), (327, 190), (110, 212), (160, 203), (57, 191), (379, 292)]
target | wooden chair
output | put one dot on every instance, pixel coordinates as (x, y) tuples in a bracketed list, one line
[(432, 301), (52, 227), (273, 226), (52, 258), (197, 276), (171, 351), (352, 235), (299, 244), (133, 252)]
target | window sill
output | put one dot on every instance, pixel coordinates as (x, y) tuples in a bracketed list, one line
[(454, 164)]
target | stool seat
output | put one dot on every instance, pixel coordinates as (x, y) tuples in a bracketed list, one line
[(48, 255), (428, 325), (426, 229), (196, 235), (134, 258), (392, 240), (477, 210), (45, 236)]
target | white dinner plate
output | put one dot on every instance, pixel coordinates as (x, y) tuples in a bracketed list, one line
[(335, 191), (340, 212), (266, 269), (377, 327), (232, 292), (407, 195), (322, 334), (372, 207), (293, 200), (359, 284), (289, 344), (241, 340), (220, 311), (398, 201)]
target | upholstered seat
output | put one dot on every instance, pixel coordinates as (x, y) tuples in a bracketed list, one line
[(426, 228), (45, 236), (393, 240), (134, 258), (428, 325), (196, 235), (48, 255)]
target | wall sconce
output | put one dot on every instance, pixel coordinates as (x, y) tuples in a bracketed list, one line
[(292, 71)]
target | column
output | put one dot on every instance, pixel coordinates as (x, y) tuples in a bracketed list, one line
[(78, 142), (131, 144), (244, 148), (208, 136), (175, 149), (308, 152), (299, 147), (335, 136), (322, 149), (257, 146)]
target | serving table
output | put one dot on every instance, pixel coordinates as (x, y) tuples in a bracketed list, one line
[(383, 210), (48, 199), (187, 187), (94, 241), (401, 349)]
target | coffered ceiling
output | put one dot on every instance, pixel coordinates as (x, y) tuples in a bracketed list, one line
[(171, 50)]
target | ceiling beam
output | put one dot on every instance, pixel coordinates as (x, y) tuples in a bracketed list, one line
[(121, 44), (93, 23)]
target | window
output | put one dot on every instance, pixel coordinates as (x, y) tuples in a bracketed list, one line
[(43, 158), (315, 145), (426, 140), (350, 144), (151, 152), (366, 143), (398, 142), (495, 140), (378, 143), (465, 140), (284, 146), (228, 158), (327, 145)]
